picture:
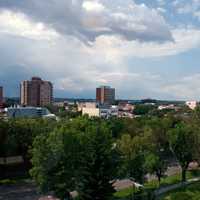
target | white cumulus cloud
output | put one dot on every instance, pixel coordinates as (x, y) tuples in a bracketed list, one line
[(20, 25)]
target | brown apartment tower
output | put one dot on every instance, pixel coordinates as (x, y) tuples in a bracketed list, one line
[(36, 92), (1, 95), (105, 95)]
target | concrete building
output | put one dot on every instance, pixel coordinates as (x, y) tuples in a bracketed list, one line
[(91, 112), (192, 104), (100, 111), (1, 95), (167, 107), (30, 112), (126, 107), (46, 93), (82, 105), (36, 92), (126, 110), (105, 95)]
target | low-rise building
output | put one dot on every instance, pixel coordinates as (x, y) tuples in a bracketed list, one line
[(100, 111), (126, 110), (126, 107), (30, 112), (123, 114), (167, 107), (111, 111), (82, 105), (192, 104), (91, 112)]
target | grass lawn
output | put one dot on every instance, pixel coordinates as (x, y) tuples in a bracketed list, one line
[(191, 192), (125, 193), (170, 180), (15, 180)]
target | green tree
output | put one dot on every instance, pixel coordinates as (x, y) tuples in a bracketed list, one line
[(99, 163), (54, 160), (142, 109), (79, 155), (3, 139), (182, 143), (4, 147), (22, 133), (158, 146), (155, 165), (132, 150), (116, 125)]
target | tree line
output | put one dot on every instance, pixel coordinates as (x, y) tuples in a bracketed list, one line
[(88, 155)]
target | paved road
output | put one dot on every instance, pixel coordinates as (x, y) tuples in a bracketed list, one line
[(25, 191), (169, 188), (28, 191), (18, 192)]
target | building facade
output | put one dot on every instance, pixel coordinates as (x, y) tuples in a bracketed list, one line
[(108, 112), (192, 104), (30, 112), (36, 92), (105, 95), (1, 95)]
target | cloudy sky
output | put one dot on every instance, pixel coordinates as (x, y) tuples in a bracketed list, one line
[(143, 48)]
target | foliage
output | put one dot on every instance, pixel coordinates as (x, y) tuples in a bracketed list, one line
[(54, 161), (158, 147), (99, 163), (191, 192), (116, 126), (17, 135), (131, 149), (3, 138), (79, 155), (142, 109), (154, 164), (182, 143), (87, 154)]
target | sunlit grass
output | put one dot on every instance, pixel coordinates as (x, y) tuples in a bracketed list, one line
[(191, 192), (166, 181)]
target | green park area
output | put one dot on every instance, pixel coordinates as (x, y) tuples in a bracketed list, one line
[(191, 192), (194, 188), (87, 155)]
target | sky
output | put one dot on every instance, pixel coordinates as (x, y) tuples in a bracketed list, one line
[(143, 48)]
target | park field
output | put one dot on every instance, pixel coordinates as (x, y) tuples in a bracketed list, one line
[(191, 192)]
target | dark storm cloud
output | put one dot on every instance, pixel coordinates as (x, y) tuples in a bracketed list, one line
[(10, 78), (13, 65)]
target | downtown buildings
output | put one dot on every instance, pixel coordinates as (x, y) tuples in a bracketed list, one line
[(1, 99), (103, 107), (36, 92), (1, 95), (105, 95)]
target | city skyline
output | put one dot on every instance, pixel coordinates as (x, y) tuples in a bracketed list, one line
[(143, 48), (1, 95), (105, 95), (36, 92)]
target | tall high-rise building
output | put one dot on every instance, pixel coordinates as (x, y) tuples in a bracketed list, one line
[(105, 95), (36, 92), (1, 95), (46, 93)]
